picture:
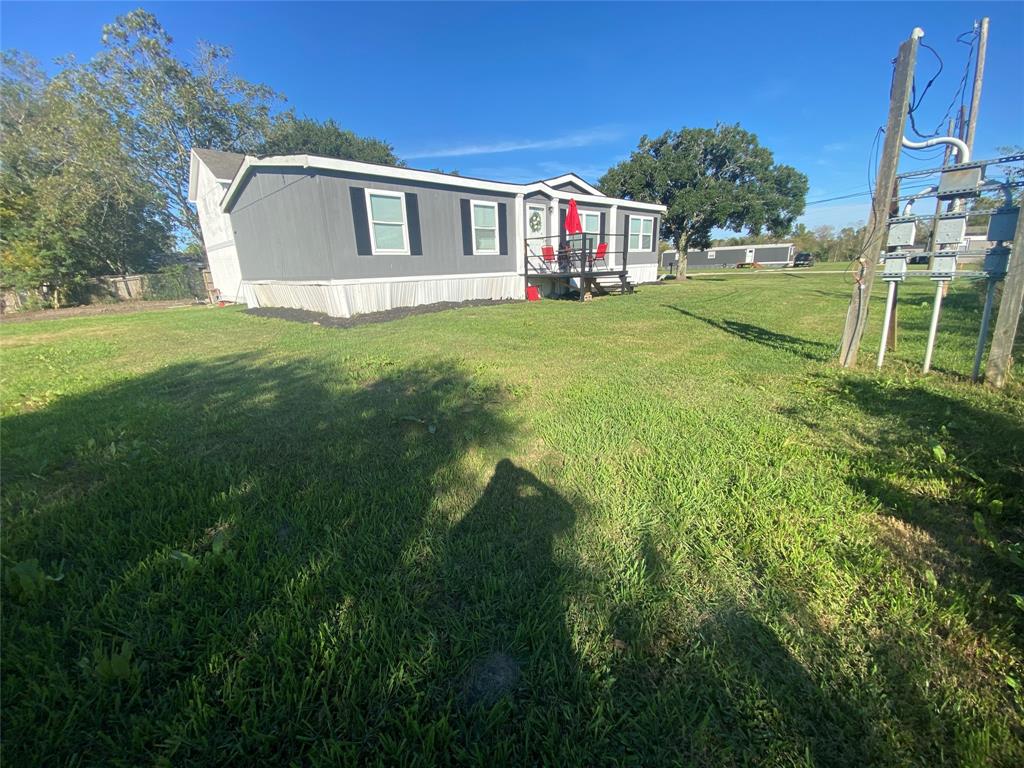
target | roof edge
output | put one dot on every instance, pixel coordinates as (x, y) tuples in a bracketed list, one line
[(411, 174)]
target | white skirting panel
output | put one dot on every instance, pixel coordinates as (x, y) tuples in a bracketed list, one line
[(642, 273), (344, 299)]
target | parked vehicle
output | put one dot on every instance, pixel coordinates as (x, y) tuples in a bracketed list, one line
[(803, 260), (921, 258)]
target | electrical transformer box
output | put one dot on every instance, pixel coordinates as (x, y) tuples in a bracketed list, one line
[(943, 267), (951, 230), (1002, 225), (902, 233), (959, 183), (997, 260), (894, 269)]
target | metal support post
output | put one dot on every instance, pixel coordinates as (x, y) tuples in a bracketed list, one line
[(936, 311), (986, 318), (889, 301)]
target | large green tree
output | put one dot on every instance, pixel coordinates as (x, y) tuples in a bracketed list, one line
[(710, 178), (163, 106), (291, 135), (72, 202)]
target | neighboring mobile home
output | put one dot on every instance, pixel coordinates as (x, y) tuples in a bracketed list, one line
[(770, 255), (345, 237)]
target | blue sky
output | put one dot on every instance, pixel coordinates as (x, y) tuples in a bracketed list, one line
[(521, 91)]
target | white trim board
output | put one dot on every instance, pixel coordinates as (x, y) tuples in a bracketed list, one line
[(401, 279), (573, 179)]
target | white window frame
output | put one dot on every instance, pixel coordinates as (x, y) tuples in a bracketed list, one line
[(497, 227), (404, 250), (711, 254), (596, 234), (640, 233)]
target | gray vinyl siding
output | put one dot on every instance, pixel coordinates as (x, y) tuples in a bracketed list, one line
[(771, 254), (571, 186), (640, 257), (723, 258), (730, 257), (293, 224)]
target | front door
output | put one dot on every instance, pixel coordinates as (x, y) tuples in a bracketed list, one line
[(536, 228)]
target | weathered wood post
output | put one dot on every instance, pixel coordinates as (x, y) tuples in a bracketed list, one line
[(899, 101), (1010, 305)]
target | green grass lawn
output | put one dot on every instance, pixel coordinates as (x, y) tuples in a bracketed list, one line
[(647, 530)]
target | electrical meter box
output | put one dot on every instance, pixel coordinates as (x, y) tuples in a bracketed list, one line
[(943, 266), (1002, 225), (951, 230), (959, 183), (997, 260), (895, 268), (902, 233)]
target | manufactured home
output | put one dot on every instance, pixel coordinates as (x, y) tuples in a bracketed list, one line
[(345, 237), (770, 255)]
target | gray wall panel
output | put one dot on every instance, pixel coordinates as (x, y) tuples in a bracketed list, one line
[(640, 257), (293, 224)]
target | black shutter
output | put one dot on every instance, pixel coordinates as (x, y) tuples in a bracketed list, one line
[(502, 229), (654, 235), (561, 227), (360, 221), (600, 238), (467, 228), (625, 233), (412, 211)]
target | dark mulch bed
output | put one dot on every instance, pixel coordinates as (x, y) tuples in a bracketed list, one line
[(318, 318)]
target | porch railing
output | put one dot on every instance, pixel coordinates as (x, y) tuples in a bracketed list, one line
[(576, 255)]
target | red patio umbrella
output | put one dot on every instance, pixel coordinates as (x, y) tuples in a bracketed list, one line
[(572, 219)]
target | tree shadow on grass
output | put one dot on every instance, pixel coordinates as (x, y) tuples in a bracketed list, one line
[(810, 350), (748, 701), (938, 464), (235, 521)]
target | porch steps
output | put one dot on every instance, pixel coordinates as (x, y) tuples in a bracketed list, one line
[(610, 284)]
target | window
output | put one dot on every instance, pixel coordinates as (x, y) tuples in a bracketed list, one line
[(711, 254), (591, 222), (485, 228), (641, 233), (388, 230)]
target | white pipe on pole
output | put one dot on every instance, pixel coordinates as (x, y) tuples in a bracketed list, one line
[(889, 300), (963, 153), (933, 328)]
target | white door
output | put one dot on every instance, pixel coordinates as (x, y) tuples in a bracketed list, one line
[(536, 227)]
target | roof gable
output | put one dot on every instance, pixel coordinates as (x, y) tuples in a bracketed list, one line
[(572, 180), (223, 164)]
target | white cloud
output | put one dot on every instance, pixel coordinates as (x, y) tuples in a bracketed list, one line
[(584, 138)]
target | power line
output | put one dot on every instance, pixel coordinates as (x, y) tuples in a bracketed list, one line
[(915, 101), (864, 193)]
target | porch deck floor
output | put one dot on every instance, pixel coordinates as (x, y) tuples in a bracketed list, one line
[(576, 273)]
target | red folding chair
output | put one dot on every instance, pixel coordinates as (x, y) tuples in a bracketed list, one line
[(547, 253), (601, 254)]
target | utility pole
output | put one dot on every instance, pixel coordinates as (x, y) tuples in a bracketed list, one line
[(899, 95), (1000, 356), (979, 74)]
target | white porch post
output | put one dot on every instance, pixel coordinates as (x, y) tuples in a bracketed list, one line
[(520, 229), (613, 229)]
